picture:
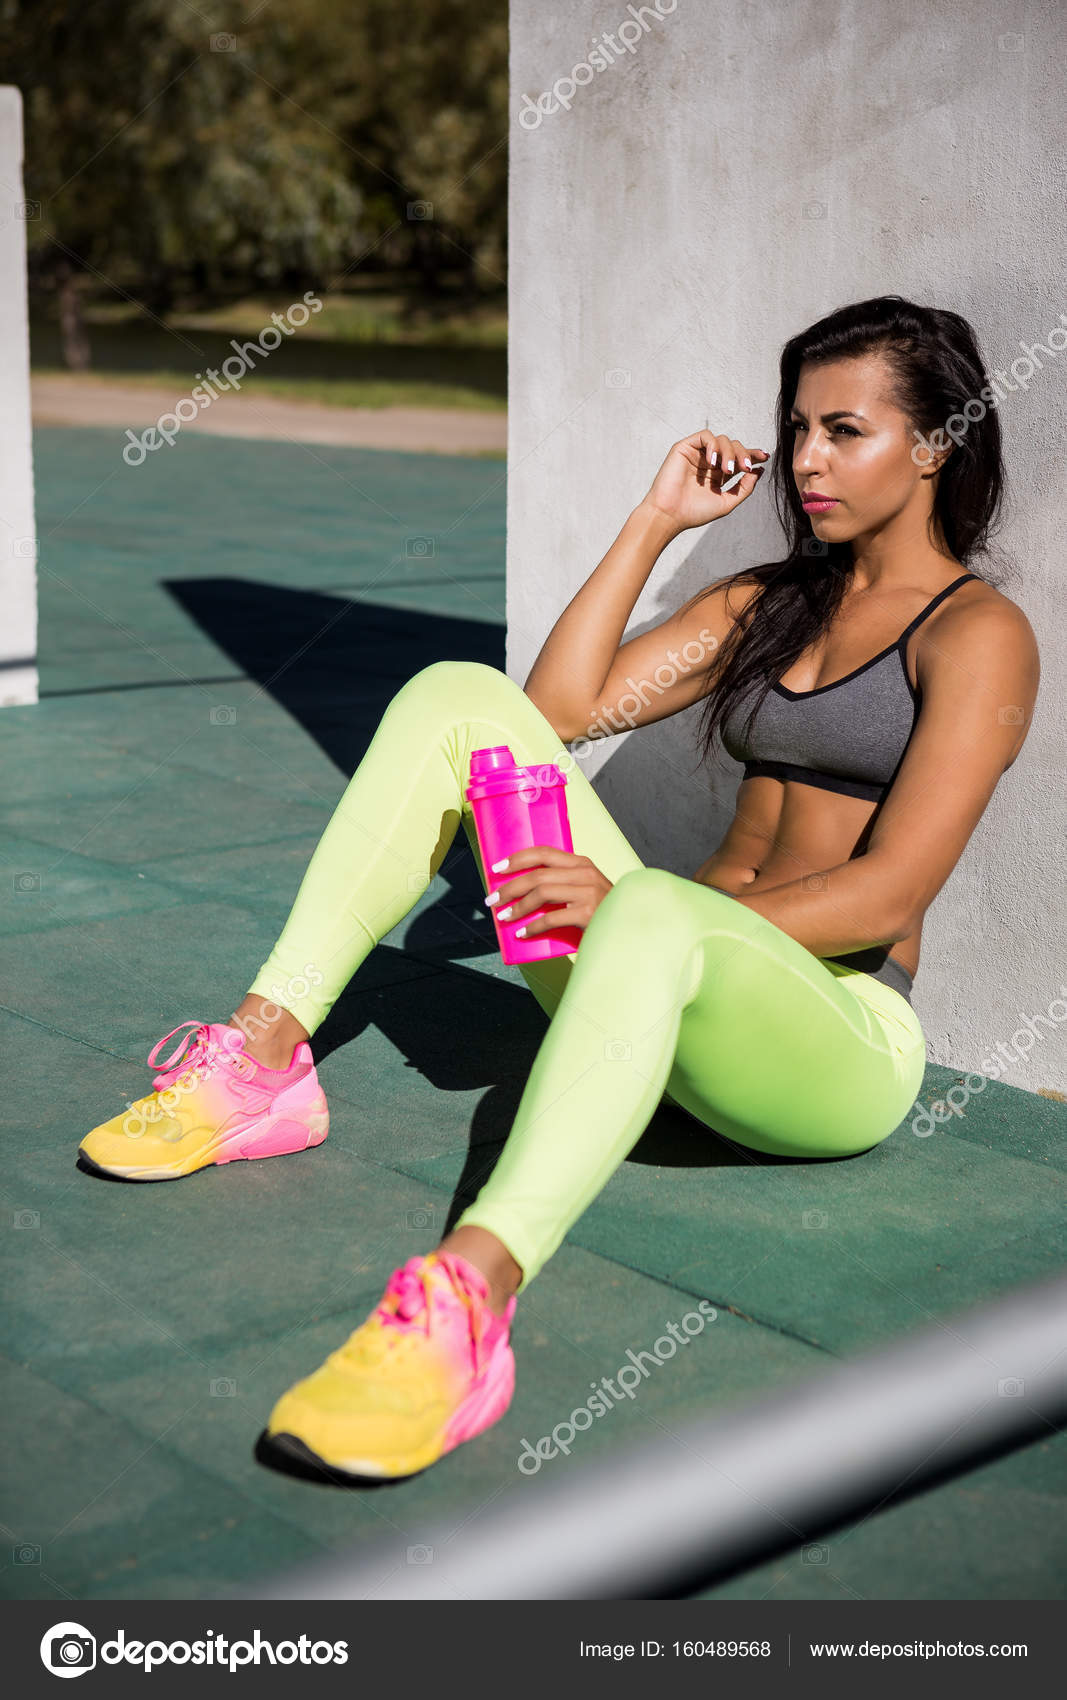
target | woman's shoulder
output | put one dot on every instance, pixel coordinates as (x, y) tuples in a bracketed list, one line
[(978, 607), (976, 621)]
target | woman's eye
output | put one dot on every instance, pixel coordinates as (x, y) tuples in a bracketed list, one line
[(849, 430)]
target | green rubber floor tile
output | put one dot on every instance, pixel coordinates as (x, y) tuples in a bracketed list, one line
[(132, 662), (250, 738), (680, 1356), (266, 875), (46, 759), (116, 638), (42, 887), (92, 1497), (141, 1270), (58, 1085), (993, 1116), (162, 817), (202, 1567), (427, 489), (125, 981)]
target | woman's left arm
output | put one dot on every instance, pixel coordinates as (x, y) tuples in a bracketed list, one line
[(979, 681)]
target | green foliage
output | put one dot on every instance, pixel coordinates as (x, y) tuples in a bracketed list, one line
[(174, 166)]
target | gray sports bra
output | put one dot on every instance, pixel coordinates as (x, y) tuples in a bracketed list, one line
[(852, 742)]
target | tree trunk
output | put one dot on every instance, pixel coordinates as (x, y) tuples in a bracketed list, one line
[(72, 331)]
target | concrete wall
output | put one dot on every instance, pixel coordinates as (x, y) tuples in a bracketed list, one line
[(700, 199), (18, 532)]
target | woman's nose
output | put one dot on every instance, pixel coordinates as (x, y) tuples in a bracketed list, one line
[(810, 455)]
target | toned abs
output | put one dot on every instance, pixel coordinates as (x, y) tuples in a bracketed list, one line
[(783, 830)]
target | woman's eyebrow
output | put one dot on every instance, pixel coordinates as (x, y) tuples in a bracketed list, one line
[(828, 418)]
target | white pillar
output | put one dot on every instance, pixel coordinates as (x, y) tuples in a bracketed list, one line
[(18, 531)]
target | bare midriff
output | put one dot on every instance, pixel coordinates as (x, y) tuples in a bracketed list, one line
[(783, 830)]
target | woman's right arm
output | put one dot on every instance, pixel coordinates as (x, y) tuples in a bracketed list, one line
[(569, 674), (583, 682)]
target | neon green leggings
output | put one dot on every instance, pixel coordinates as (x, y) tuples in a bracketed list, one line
[(676, 991)]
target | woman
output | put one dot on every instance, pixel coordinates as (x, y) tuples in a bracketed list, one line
[(875, 688)]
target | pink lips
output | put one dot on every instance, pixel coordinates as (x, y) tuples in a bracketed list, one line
[(818, 504)]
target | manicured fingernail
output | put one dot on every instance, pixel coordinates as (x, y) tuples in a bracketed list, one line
[(748, 463), (729, 466), (498, 865), (502, 914), (714, 458), (520, 932), (494, 897)]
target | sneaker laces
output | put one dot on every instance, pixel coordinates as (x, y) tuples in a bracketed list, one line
[(407, 1303), (192, 1058)]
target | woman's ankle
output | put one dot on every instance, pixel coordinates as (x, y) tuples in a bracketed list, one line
[(489, 1255), (271, 1033)]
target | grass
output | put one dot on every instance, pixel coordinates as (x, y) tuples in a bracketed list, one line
[(336, 393), (377, 346)]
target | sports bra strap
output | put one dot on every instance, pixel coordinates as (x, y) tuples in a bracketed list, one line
[(930, 606)]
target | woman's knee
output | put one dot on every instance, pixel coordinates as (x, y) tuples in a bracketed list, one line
[(644, 907), (652, 892), (461, 680)]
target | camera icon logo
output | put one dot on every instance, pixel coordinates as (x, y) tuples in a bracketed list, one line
[(68, 1649), (814, 1218)]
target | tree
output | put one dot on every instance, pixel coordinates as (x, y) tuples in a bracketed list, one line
[(173, 160)]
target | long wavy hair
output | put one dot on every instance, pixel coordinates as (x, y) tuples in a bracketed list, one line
[(936, 368)]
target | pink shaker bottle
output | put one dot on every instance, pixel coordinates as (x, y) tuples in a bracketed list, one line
[(515, 809)]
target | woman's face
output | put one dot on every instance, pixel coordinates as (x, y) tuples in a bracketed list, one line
[(862, 457)]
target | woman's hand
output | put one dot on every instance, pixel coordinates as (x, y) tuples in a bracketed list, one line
[(555, 877), (688, 486)]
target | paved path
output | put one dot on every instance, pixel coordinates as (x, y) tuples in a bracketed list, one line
[(61, 400)]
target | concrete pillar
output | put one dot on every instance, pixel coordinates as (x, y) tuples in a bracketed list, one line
[(688, 189), (18, 532)]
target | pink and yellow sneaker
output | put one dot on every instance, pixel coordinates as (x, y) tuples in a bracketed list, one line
[(212, 1104), (430, 1368)]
